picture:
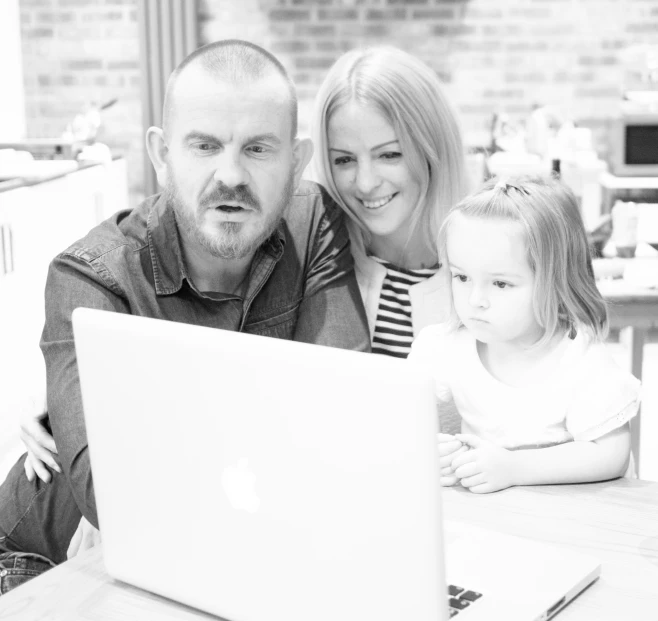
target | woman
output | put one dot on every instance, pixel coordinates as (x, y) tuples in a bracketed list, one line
[(389, 151)]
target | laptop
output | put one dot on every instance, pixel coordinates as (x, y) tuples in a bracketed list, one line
[(266, 480)]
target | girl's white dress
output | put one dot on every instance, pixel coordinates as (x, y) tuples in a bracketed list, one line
[(586, 397)]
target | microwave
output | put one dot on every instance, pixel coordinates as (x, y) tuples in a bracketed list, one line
[(634, 145)]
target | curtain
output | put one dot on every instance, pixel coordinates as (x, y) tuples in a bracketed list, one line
[(168, 32)]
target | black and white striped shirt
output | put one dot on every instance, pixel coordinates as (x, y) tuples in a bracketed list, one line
[(393, 332)]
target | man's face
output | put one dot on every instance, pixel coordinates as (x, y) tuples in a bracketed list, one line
[(230, 161)]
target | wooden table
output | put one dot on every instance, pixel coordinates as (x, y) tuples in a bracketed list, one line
[(615, 521), (633, 310)]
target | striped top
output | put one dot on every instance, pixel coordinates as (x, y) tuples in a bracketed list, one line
[(393, 332)]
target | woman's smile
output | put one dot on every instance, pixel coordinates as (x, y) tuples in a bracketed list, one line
[(377, 203)]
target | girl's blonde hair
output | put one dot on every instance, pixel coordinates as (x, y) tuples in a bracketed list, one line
[(409, 95), (565, 294)]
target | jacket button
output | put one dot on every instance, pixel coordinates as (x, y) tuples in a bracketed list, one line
[(3, 573)]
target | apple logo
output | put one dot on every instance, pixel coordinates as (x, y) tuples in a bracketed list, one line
[(238, 483)]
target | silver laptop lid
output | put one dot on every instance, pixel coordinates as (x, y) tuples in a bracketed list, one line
[(262, 479)]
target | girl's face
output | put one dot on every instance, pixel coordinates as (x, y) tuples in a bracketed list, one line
[(372, 173), (492, 283)]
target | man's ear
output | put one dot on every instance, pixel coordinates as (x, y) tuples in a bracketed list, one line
[(157, 150), (302, 152)]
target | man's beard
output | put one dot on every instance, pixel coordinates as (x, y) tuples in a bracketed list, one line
[(228, 240)]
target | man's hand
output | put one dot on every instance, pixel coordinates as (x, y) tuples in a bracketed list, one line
[(449, 448), (41, 449), (484, 468)]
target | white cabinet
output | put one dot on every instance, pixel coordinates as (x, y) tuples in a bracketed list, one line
[(22, 381), (38, 222), (20, 308)]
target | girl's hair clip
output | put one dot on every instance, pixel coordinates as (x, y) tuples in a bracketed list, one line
[(503, 186)]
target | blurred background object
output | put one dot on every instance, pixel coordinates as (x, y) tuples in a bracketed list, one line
[(85, 125), (599, 235), (525, 62), (624, 229), (640, 77)]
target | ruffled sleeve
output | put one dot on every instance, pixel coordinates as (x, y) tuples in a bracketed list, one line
[(430, 350), (606, 396)]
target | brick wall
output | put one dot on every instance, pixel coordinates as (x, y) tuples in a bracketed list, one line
[(494, 55), (76, 52)]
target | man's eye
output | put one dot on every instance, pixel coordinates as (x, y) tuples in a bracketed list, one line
[(257, 149), (500, 284), (203, 146), (343, 159)]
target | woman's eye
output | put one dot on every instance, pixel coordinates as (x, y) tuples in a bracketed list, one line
[(500, 284), (343, 159), (460, 277), (391, 155)]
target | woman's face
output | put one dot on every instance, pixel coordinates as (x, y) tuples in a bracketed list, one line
[(371, 173)]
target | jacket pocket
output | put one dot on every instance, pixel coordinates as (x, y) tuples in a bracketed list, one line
[(280, 323)]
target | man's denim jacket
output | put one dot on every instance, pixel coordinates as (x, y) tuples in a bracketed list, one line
[(301, 287)]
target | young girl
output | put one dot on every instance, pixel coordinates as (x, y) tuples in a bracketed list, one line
[(523, 357), (389, 151)]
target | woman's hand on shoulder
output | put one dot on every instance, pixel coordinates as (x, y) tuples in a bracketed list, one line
[(41, 449)]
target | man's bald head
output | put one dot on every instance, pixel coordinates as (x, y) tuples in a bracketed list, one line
[(234, 61)]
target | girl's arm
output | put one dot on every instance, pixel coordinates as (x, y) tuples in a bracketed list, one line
[(576, 462), (489, 468)]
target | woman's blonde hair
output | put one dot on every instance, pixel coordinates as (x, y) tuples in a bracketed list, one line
[(409, 95), (565, 295)]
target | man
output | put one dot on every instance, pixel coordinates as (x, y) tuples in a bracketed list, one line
[(234, 242)]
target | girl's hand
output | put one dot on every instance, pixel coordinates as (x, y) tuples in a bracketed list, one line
[(449, 448), (41, 449), (485, 468)]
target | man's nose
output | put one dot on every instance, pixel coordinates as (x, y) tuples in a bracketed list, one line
[(230, 170), (367, 178)]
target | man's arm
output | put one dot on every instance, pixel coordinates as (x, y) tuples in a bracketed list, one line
[(71, 283), (331, 312)]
